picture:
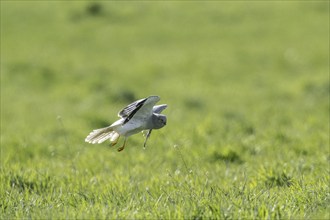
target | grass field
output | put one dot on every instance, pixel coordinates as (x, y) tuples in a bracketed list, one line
[(247, 88)]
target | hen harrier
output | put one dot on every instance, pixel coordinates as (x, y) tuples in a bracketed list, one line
[(137, 116)]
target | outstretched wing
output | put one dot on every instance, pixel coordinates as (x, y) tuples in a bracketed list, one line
[(142, 109), (128, 110), (159, 108)]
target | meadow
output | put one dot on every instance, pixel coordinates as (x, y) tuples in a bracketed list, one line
[(247, 88)]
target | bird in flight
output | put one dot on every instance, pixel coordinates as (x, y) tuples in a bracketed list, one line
[(138, 116)]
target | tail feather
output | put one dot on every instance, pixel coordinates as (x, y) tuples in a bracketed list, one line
[(98, 136), (114, 137)]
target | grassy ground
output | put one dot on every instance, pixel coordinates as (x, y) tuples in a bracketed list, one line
[(247, 84)]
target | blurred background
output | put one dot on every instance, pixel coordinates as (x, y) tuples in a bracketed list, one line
[(247, 88), (242, 80)]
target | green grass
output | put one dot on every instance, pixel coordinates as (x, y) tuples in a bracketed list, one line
[(247, 88)]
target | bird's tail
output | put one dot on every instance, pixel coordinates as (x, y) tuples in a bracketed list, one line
[(98, 136)]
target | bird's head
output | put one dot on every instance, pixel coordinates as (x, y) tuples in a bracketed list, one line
[(159, 121)]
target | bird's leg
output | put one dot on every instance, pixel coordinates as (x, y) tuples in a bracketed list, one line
[(147, 136), (122, 147), (114, 142)]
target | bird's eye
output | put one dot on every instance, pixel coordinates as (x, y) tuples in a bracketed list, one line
[(163, 121)]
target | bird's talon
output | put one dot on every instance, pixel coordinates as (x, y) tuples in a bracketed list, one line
[(122, 147)]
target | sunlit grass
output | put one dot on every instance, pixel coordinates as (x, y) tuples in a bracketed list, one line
[(247, 87)]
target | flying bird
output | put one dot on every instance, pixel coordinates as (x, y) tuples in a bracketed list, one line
[(138, 116)]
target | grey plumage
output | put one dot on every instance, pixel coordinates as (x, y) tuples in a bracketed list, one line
[(137, 116)]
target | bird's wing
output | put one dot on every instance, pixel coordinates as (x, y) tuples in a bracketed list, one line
[(159, 108), (143, 109), (125, 112)]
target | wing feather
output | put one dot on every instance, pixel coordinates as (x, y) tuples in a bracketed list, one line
[(159, 108), (145, 110), (134, 111), (125, 112), (142, 108)]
